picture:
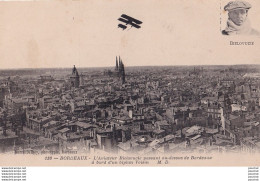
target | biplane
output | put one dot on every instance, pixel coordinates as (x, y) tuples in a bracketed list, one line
[(129, 20)]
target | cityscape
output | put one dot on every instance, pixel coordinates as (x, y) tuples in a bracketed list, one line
[(130, 110)]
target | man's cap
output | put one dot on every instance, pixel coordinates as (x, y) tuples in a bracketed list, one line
[(232, 5)]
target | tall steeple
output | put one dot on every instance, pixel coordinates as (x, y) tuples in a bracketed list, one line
[(120, 69), (120, 66), (74, 78), (116, 64), (123, 74), (74, 71)]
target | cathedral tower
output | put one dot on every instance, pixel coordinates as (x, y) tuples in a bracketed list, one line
[(74, 78)]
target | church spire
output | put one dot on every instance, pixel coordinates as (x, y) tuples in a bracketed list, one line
[(120, 66), (123, 73), (116, 64), (74, 78)]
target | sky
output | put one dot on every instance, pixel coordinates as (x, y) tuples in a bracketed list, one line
[(85, 33)]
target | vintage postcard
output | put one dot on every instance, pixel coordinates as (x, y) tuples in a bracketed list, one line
[(130, 83)]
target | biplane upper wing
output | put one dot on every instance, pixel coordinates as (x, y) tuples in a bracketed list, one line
[(133, 19)]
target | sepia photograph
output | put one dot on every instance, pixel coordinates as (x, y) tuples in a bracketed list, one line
[(238, 22)]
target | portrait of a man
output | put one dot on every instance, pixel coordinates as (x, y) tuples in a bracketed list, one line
[(238, 22)]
